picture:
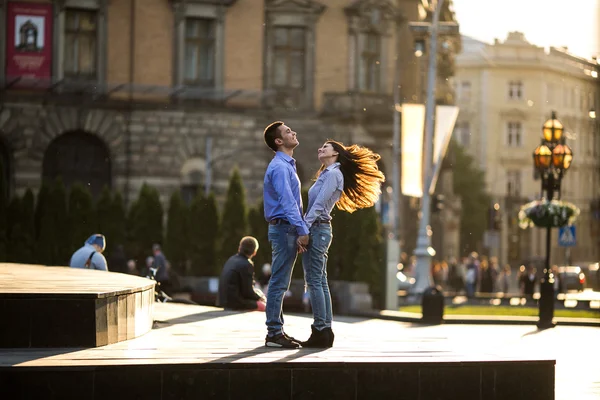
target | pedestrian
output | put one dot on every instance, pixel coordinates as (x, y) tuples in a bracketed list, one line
[(90, 255), (350, 178), (236, 283), (288, 233), (161, 267)]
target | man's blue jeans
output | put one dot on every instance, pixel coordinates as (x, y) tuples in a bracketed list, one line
[(314, 262), (285, 250)]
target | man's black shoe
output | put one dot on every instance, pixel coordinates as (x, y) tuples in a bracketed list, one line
[(293, 339), (281, 341), (318, 339)]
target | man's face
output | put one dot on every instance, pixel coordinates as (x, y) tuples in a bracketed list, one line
[(288, 138)]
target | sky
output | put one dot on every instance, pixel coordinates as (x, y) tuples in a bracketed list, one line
[(545, 23)]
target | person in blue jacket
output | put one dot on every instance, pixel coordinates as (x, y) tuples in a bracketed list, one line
[(90, 255)]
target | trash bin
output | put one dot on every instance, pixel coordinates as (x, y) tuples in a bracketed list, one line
[(432, 305)]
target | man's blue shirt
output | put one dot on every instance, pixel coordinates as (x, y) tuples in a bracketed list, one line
[(281, 192)]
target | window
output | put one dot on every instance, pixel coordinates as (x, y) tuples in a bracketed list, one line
[(515, 90), (199, 44), (370, 33), (513, 183), (80, 58), (462, 133), (514, 134), (369, 77), (289, 57), (465, 91), (199, 52)]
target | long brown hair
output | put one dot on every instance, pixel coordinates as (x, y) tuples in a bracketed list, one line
[(362, 177)]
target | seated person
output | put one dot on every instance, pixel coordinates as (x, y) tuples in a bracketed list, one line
[(236, 284), (90, 255)]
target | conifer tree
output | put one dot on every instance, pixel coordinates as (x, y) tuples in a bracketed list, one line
[(370, 263), (176, 245), (260, 230), (3, 213), (82, 221), (28, 224), (235, 217), (146, 222), (54, 241), (104, 221), (14, 231), (204, 236), (118, 217)]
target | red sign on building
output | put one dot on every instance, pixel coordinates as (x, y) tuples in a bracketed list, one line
[(29, 41)]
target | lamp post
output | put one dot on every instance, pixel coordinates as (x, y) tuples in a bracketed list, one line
[(551, 159)]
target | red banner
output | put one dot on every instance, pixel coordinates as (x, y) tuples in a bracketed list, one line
[(29, 41)]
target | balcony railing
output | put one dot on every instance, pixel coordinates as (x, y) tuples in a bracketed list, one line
[(354, 105)]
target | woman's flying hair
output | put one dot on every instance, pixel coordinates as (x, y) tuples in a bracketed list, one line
[(362, 177)]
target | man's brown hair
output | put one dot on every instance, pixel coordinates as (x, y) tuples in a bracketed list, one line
[(248, 246), (272, 133)]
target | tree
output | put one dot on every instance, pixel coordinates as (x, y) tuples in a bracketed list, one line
[(82, 221), (470, 186), (146, 222), (3, 213), (203, 235), (118, 217), (54, 241), (235, 217), (370, 262), (28, 227), (260, 230), (176, 244), (42, 250), (104, 222), (14, 231)]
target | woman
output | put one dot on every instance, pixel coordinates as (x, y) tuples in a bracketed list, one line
[(350, 178)]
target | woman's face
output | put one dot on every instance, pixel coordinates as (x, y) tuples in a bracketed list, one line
[(326, 152)]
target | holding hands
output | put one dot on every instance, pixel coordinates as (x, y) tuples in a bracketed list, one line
[(302, 242)]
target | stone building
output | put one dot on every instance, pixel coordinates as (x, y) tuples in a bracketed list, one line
[(506, 91), (176, 93)]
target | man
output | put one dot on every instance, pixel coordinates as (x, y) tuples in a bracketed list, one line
[(288, 233), (236, 284), (90, 255)]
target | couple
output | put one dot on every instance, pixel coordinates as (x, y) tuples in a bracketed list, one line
[(348, 177)]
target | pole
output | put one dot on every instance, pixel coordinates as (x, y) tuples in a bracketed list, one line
[(208, 168), (546, 303), (424, 238), (393, 244)]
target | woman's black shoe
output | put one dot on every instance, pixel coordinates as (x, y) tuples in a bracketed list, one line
[(331, 336), (318, 339)]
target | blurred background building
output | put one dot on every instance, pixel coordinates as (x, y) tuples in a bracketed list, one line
[(176, 93), (506, 91)]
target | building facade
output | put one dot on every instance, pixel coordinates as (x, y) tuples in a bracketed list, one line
[(506, 91), (176, 93)]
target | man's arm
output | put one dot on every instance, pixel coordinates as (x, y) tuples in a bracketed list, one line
[(283, 188), (99, 262), (247, 283)]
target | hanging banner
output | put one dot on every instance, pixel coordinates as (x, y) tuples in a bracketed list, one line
[(413, 119), (445, 118), (28, 41)]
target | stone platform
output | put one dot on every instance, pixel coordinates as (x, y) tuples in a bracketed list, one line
[(65, 307), (198, 352)]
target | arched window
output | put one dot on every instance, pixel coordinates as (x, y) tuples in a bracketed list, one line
[(193, 173), (79, 157)]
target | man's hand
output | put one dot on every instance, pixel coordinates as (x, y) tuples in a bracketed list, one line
[(302, 243)]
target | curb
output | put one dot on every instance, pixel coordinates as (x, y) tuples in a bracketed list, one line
[(476, 319)]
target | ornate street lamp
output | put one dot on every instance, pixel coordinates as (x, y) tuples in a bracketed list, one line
[(551, 159)]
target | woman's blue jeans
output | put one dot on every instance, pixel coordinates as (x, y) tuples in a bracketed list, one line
[(314, 262)]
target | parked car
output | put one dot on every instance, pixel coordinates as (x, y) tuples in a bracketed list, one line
[(571, 278)]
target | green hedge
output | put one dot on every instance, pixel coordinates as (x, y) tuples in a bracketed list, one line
[(197, 240)]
